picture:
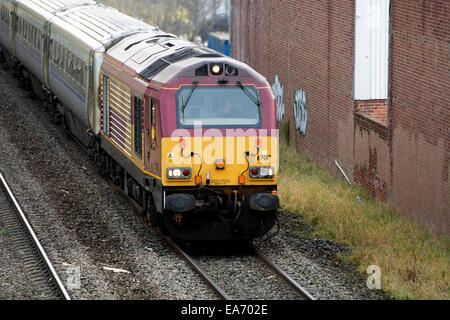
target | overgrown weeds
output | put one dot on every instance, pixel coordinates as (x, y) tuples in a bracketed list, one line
[(414, 261)]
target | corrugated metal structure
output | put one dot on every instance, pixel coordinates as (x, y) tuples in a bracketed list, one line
[(220, 41), (371, 49)]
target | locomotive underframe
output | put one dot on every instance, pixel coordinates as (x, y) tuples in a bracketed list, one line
[(218, 213)]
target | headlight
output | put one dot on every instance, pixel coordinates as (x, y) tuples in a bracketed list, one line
[(179, 173), (216, 69), (262, 172)]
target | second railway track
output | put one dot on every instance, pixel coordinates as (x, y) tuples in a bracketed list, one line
[(26, 243)]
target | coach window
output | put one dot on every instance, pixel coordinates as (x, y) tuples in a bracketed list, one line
[(37, 37), (21, 27), (138, 126), (70, 63), (59, 53), (64, 59), (61, 56), (80, 71), (55, 53), (33, 37), (25, 29), (75, 69), (29, 32), (59, 49)]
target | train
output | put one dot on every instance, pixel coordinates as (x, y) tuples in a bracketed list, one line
[(189, 135)]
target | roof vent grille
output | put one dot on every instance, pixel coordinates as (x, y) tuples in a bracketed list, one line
[(190, 52), (155, 68)]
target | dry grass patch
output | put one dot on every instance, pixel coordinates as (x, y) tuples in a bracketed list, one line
[(414, 261)]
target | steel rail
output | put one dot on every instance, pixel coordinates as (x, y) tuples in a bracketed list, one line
[(34, 238), (197, 268), (294, 284)]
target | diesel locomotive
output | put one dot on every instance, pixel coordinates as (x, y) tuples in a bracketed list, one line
[(190, 135)]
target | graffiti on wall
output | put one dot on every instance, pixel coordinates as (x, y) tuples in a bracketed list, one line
[(278, 90), (300, 112)]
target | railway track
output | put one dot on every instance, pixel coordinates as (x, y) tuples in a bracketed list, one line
[(34, 258), (302, 292)]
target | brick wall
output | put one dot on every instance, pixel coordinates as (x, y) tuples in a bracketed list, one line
[(376, 109), (420, 112), (401, 152)]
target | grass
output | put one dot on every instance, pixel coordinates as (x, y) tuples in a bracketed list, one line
[(414, 261)]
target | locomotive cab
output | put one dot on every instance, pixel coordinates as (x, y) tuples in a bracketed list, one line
[(219, 153)]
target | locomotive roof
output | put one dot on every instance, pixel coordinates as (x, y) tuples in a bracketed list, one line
[(160, 56)]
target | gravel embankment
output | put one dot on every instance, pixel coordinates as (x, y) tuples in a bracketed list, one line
[(83, 221)]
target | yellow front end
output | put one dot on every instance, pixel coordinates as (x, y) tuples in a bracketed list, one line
[(219, 161)]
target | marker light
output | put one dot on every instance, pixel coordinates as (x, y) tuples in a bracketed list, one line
[(182, 143), (262, 172), (258, 143), (179, 173)]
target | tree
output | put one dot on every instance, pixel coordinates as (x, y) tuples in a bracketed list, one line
[(185, 18)]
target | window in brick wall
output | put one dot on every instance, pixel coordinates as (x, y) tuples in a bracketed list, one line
[(372, 57)]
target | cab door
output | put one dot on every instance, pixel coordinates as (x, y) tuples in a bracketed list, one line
[(149, 129), (152, 137)]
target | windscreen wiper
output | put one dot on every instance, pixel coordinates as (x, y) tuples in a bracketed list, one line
[(185, 103), (256, 100)]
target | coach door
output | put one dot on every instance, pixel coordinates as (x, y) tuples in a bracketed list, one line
[(14, 26), (46, 54), (106, 107)]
